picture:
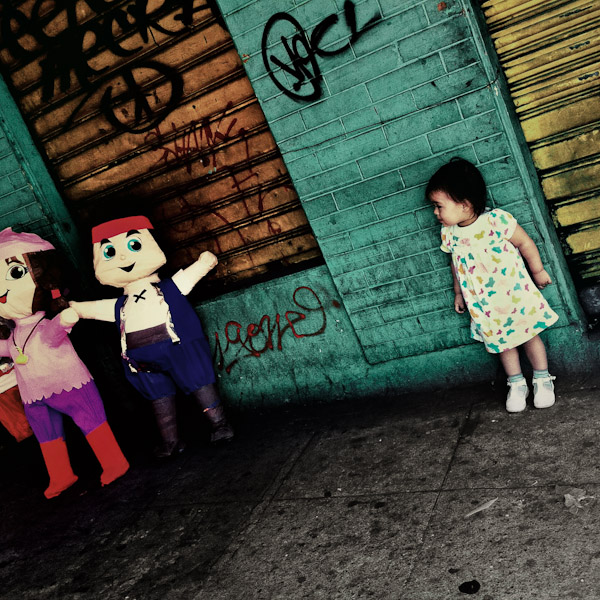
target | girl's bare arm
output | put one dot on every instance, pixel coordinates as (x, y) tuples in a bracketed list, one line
[(531, 255), (459, 301)]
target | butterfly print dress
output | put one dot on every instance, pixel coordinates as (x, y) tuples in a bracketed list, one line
[(506, 307)]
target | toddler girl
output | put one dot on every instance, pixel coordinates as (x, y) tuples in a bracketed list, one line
[(490, 279)]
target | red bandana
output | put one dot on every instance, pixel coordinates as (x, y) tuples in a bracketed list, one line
[(117, 226)]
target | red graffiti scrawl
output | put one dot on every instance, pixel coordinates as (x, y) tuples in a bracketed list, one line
[(201, 140), (257, 338)]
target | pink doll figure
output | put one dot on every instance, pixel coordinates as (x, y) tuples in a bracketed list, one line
[(52, 379), (163, 347)]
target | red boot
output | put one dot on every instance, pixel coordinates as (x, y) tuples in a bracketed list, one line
[(108, 453), (59, 468)]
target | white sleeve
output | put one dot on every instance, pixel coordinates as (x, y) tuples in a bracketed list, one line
[(187, 278), (184, 282), (100, 310)]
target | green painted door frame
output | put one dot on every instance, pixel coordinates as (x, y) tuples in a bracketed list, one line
[(39, 179)]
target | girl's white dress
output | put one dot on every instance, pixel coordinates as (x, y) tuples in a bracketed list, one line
[(506, 307)]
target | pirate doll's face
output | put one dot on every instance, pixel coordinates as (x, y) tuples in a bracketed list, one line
[(17, 288), (126, 256)]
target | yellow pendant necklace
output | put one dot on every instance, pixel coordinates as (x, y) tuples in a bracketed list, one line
[(22, 358)]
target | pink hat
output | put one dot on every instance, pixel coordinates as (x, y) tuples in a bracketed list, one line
[(12, 244)]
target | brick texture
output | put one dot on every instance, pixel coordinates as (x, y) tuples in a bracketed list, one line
[(390, 106), (19, 207)]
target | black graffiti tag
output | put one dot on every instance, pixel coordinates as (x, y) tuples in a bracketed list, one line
[(66, 54), (145, 117), (300, 52)]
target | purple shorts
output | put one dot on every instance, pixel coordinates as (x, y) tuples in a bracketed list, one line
[(83, 405)]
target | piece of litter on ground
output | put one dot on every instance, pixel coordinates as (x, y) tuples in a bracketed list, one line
[(481, 507), (575, 500), (469, 587)]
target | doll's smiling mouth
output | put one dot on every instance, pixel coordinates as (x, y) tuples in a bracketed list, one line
[(126, 269), (3, 298)]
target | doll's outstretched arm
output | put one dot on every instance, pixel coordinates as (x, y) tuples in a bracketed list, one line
[(526, 246), (57, 329), (68, 317), (100, 310), (187, 278)]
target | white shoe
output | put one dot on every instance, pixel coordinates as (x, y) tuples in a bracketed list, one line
[(517, 394), (543, 392)]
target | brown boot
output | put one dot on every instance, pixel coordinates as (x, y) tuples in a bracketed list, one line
[(210, 403), (166, 420)]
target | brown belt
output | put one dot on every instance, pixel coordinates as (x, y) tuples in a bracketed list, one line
[(146, 337)]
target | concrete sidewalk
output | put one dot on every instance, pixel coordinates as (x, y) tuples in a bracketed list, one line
[(363, 500)]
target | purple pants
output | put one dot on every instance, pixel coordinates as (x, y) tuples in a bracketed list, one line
[(83, 405)]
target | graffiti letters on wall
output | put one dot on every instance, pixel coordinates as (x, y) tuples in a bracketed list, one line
[(269, 333), (298, 52), (198, 144), (149, 102), (79, 34)]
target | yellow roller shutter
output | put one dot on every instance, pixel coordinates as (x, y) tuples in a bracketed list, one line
[(550, 53)]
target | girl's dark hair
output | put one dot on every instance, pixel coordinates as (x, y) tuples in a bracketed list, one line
[(461, 180), (49, 271)]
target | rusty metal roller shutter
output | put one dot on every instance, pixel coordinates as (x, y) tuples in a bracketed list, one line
[(148, 101), (550, 52)]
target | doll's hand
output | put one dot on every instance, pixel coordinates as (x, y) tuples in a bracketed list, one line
[(208, 260), (542, 279), (459, 303), (68, 317)]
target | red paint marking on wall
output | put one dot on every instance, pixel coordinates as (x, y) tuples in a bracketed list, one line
[(268, 334), (200, 138)]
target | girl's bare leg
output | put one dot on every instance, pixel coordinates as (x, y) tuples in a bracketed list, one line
[(536, 353), (542, 381), (518, 390), (510, 361)]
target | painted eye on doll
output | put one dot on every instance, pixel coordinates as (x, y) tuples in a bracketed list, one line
[(16, 272), (109, 251), (134, 244)]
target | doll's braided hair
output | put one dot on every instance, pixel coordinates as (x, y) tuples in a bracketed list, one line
[(48, 270)]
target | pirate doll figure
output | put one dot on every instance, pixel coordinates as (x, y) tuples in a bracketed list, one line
[(163, 346), (52, 379)]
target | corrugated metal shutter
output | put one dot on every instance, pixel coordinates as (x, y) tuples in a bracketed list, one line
[(550, 52), (149, 100)]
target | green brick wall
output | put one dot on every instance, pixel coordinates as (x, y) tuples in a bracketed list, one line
[(18, 204), (324, 366), (412, 91)]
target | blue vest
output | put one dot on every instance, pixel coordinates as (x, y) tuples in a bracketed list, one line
[(185, 320)]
